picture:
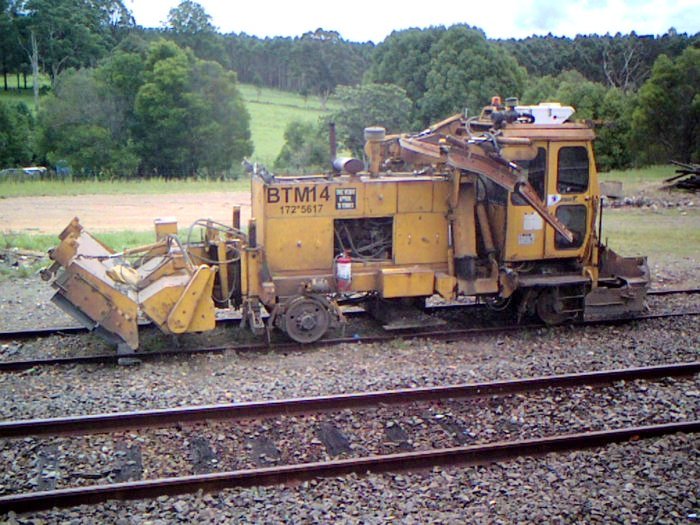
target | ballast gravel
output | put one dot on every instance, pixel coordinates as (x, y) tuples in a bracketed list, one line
[(649, 481), (34, 463), (639, 482)]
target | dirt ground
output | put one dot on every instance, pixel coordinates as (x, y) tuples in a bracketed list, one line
[(102, 213)]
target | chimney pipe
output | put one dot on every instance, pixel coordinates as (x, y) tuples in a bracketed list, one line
[(333, 143)]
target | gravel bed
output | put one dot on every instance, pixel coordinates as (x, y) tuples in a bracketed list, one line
[(221, 378), (641, 482), (40, 463), (646, 481)]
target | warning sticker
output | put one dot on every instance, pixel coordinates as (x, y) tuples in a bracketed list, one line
[(553, 199), (526, 239), (345, 198), (532, 222)]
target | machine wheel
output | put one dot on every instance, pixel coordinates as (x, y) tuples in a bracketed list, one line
[(306, 319), (549, 307)]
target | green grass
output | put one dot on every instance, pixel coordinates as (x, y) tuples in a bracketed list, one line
[(272, 111), (636, 180), (25, 241), (278, 97), (42, 242), (127, 187), (664, 235), (19, 95)]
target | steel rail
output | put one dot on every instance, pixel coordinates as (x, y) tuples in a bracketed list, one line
[(673, 291), (289, 346), (36, 333), (475, 454), (100, 423)]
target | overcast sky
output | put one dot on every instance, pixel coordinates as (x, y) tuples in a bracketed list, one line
[(364, 20)]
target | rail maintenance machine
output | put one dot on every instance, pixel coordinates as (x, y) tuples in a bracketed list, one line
[(504, 207)]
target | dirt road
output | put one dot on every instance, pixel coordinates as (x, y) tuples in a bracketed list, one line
[(102, 213)]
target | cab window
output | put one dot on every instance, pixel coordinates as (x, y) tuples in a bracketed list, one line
[(572, 170), (574, 217), (535, 171)]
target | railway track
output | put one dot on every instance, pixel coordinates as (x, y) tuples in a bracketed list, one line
[(481, 453), (18, 335), (478, 454), (453, 334), (236, 411)]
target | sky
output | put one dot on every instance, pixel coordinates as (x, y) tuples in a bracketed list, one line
[(374, 20)]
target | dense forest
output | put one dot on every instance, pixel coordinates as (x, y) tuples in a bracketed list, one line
[(124, 100)]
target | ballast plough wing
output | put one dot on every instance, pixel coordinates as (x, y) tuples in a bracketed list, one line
[(106, 292)]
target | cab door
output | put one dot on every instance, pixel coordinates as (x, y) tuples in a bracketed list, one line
[(571, 176), (525, 231)]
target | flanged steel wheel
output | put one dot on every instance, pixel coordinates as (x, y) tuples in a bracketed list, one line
[(550, 306), (306, 319)]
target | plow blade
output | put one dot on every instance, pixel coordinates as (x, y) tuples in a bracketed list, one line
[(106, 293), (86, 291), (622, 292)]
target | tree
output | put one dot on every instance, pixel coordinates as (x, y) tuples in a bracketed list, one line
[(15, 135), (190, 116), (404, 59), (220, 121), (383, 105), (190, 18), (191, 26), (613, 142), (622, 60), (120, 76), (540, 89), (542, 56), (149, 111), (77, 125), (258, 83), (323, 61), (71, 33), (585, 96), (666, 121), (11, 57), (306, 148), (466, 70)]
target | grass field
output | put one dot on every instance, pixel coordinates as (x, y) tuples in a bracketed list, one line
[(269, 114), (41, 243), (635, 180), (15, 95), (663, 235)]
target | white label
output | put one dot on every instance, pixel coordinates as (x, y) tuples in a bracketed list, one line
[(553, 199), (526, 239), (344, 271), (532, 222)]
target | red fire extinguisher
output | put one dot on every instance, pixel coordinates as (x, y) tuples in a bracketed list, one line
[(343, 272)]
